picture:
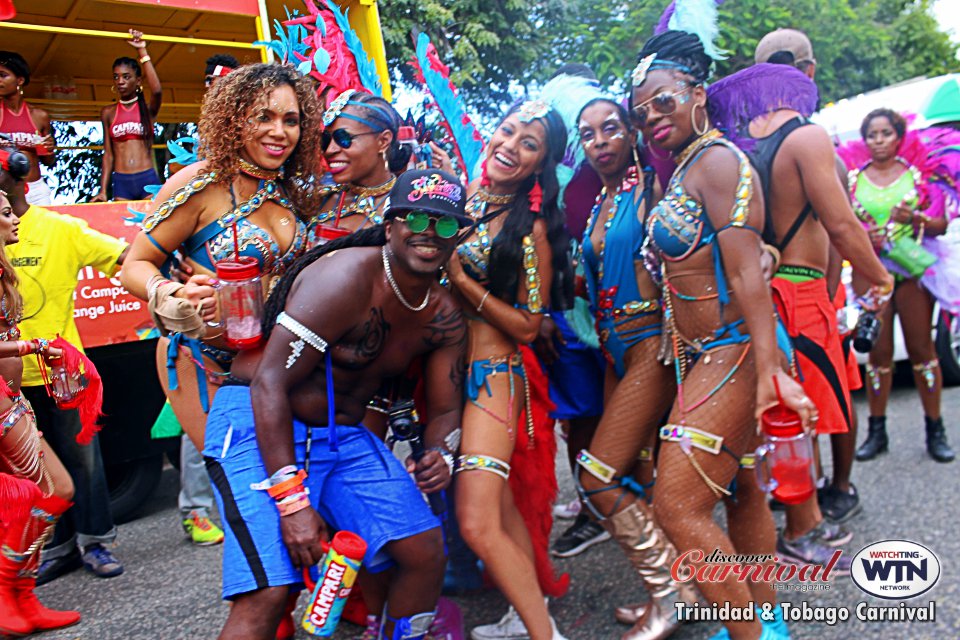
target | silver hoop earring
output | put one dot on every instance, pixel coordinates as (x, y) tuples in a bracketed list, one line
[(693, 120)]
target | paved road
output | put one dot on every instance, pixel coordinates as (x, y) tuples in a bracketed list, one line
[(170, 588)]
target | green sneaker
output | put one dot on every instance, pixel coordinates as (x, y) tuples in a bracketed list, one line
[(202, 530)]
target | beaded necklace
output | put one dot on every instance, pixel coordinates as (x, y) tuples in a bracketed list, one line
[(364, 203)]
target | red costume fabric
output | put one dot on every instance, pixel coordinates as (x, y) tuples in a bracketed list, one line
[(811, 321), (532, 476)]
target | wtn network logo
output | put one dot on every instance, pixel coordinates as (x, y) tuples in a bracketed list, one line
[(895, 569)]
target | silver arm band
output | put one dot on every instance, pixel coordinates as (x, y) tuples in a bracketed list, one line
[(302, 332)]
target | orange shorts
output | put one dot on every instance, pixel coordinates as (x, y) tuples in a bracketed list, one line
[(811, 321)]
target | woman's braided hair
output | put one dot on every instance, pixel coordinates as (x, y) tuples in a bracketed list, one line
[(370, 237)]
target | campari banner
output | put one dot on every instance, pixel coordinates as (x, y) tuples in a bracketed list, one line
[(105, 312)]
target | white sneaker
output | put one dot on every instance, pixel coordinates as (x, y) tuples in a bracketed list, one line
[(567, 510), (510, 627), (556, 634)]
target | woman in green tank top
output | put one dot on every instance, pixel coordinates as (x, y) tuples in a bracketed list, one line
[(889, 198)]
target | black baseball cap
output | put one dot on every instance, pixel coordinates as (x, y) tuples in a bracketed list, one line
[(428, 190)]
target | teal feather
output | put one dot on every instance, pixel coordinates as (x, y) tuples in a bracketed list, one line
[(568, 95), (699, 17), (365, 65), (465, 135), (180, 153)]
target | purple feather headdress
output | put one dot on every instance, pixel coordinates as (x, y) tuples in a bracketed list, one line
[(739, 98)]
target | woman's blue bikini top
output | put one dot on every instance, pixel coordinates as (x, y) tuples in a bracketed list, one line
[(679, 224), (220, 239)]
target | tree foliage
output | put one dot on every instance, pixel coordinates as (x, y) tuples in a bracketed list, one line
[(859, 44)]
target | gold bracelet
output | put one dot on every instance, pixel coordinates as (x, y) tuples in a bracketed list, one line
[(482, 300), (145, 59)]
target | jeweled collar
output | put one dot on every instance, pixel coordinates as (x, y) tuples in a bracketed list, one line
[(255, 171), (373, 192), (494, 198)]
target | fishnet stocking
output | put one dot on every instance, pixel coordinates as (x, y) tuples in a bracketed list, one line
[(630, 420), (684, 503)]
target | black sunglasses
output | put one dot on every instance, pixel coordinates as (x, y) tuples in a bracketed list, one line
[(665, 103), (342, 137)]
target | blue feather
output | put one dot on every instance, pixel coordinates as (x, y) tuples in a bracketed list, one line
[(365, 65), (699, 17), (321, 60), (452, 110), (180, 154), (321, 25)]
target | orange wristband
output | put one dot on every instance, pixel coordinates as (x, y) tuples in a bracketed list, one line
[(287, 484)]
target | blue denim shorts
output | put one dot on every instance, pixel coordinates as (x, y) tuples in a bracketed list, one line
[(360, 488)]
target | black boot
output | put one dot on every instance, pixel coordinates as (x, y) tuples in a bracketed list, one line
[(937, 445), (877, 441)]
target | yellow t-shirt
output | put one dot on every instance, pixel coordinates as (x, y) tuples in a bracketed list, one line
[(53, 248)]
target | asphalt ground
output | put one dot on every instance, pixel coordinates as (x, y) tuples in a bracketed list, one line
[(170, 588)]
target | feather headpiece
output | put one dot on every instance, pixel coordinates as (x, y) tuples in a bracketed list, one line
[(323, 45), (936, 153), (568, 95), (699, 17), (467, 141), (734, 101)]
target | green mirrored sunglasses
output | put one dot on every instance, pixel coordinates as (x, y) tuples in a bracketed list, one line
[(418, 221)]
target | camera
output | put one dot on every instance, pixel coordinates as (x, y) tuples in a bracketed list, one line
[(13, 161), (403, 421), (866, 332), (405, 425)]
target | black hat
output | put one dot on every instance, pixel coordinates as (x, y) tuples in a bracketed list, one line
[(428, 190)]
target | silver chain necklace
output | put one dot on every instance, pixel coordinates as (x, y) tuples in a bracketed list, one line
[(396, 288)]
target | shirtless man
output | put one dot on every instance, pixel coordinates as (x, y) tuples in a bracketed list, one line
[(808, 211), (359, 315)]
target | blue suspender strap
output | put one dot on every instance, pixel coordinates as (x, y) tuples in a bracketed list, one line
[(331, 408), (173, 350)]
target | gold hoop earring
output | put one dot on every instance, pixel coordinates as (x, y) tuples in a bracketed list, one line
[(113, 89), (655, 155), (693, 120)]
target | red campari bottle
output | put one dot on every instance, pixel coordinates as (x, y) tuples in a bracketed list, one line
[(785, 461)]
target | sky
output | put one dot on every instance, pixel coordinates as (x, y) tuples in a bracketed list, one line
[(947, 13)]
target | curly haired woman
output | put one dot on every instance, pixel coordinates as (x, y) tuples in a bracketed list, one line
[(504, 277), (720, 317), (259, 128)]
